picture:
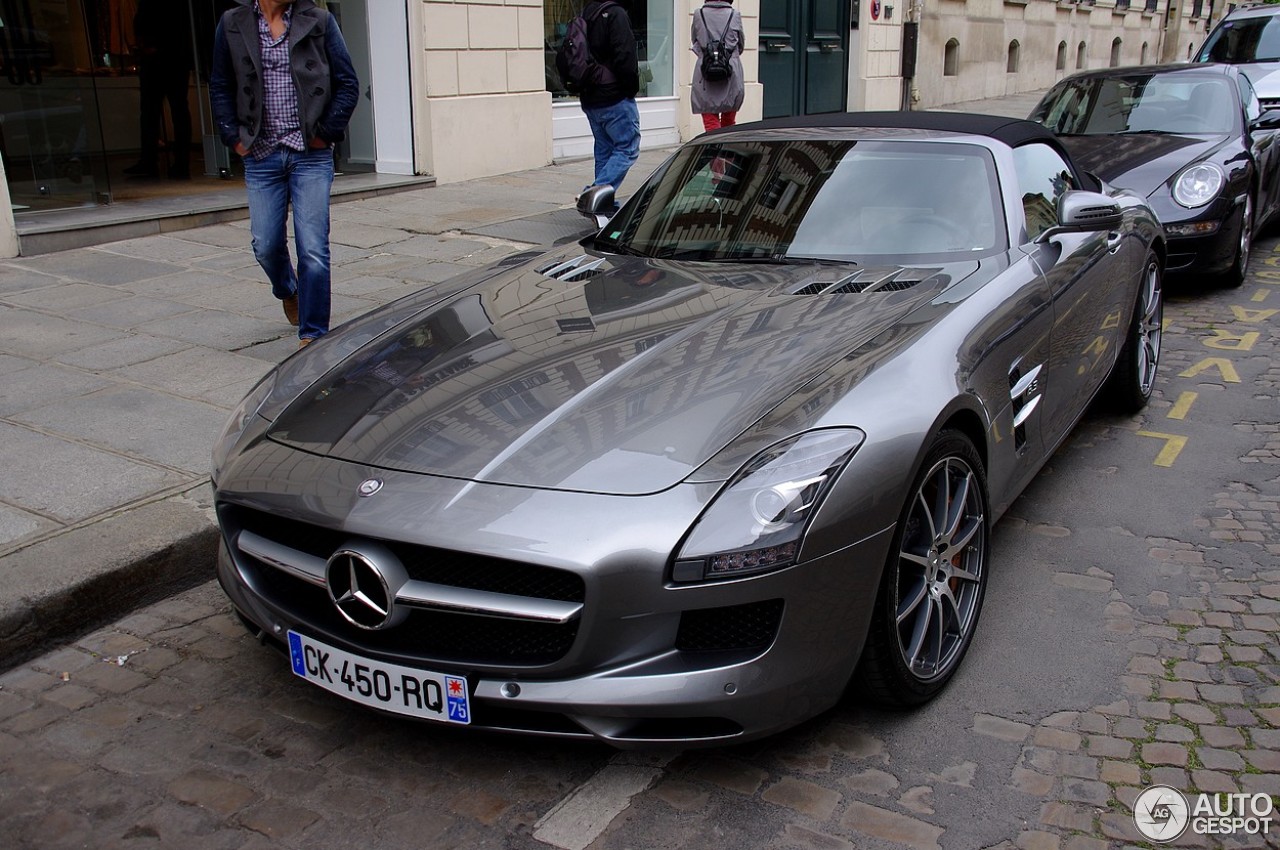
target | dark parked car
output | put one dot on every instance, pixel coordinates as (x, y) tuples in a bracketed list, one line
[(1249, 38), (689, 479), (1191, 139)]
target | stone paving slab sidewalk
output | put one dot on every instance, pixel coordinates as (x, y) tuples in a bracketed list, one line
[(120, 362)]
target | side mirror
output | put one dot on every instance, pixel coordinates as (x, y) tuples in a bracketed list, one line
[(597, 204), (1080, 211), (1269, 120)]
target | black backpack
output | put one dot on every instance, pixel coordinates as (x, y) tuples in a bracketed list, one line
[(578, 68), (717, 62)]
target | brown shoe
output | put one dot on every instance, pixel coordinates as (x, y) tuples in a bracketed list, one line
[(291, 309), (305, 341)]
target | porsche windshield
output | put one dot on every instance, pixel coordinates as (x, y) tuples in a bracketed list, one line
[(1176, 102), (815, 199)]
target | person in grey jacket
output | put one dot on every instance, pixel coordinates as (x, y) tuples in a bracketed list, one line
[(282, 89), (717, 101)]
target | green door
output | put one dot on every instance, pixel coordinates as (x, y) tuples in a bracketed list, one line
[(803, 50)]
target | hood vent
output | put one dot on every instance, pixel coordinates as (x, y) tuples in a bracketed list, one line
[(578, 269), (895, 279)]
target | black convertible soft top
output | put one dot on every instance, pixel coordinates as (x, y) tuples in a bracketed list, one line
[(1011, 131)]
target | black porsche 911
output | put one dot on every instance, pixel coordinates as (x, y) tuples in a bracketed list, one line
[(1191, 139)]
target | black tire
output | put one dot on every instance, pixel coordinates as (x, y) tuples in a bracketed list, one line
[(934, 581), (1129, 386), (1234, 276)]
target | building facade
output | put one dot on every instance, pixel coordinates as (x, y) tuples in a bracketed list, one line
[(459, 89)]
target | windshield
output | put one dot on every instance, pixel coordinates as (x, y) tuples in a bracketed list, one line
[(1244, 40), (1144, 103), (815, 199)]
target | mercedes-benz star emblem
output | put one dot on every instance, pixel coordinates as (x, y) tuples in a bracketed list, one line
[(369, 486), (363, 587)]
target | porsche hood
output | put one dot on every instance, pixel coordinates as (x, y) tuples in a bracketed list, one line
[(618, 375), (1139, 162)]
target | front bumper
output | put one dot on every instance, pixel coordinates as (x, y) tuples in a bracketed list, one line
[(1209, 253), (659, 693)]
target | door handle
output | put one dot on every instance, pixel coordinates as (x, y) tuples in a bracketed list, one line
[(776, 46), (1114, 238)]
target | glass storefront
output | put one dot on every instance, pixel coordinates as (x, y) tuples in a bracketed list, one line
[(72, 85), (651, 21)]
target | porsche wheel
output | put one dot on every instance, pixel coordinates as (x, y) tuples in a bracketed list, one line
[(1134, 376), (1235, 275), (933, 585)]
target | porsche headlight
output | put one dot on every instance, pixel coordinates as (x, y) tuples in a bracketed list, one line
[(756, 522), (239, 420), (1198, 185)]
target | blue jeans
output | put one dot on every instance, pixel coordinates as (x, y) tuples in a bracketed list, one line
[(616, 130), (282, 179)]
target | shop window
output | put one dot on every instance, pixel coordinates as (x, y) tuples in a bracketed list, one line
[(1012, 65), (951, 59), (1115, 53), (1062, 56), (652, 22), (1080, 56)]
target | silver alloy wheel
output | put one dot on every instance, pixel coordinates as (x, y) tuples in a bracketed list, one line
[(1150, 322), (1246, 235), (940, 569)]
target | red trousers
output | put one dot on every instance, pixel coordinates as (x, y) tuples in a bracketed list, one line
[(714, 121)]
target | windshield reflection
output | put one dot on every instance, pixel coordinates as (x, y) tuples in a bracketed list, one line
[(1142, 103), (804, 200)]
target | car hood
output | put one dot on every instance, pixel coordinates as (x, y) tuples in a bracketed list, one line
[(1140, 162), (614, 375)]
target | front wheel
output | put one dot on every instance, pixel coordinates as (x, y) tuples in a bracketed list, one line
[(1129, 387), (934, 582), (1235, 275)]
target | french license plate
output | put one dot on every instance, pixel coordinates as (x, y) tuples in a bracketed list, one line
[(390, 687)]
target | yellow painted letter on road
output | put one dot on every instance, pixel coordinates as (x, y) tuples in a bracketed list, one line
[(1232, 342), (1252, 316), (1173, 444), (1223, 365)]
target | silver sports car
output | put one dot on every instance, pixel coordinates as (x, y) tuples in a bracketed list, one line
[(699, 475)]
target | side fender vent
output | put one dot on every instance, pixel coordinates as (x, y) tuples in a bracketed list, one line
[(577, 269)]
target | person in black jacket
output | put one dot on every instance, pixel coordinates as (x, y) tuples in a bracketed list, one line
[(163, 33), (610, 101), (282, 90)]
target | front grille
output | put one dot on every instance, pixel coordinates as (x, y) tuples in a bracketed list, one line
[(426, 634), (751, 626), (423, 563)]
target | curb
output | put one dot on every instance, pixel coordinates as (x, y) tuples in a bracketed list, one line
[(140, 556)]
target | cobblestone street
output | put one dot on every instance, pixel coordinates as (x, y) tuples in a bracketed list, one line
[(1129, 639)]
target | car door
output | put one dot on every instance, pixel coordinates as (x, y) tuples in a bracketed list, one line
[(1084, 272), (1266, 154)]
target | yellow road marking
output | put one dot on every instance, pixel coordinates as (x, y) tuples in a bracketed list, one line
[(1260, 295), (1173, 445), (1222, 364), (1252, 316), (1182, 405)]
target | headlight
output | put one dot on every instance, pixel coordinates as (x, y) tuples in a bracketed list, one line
[(239, 420), (756, 522), (1198, 185)]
